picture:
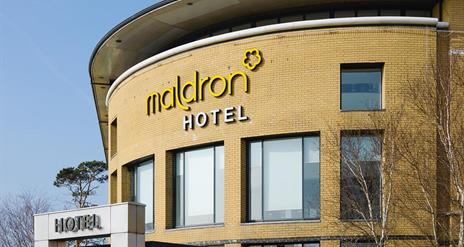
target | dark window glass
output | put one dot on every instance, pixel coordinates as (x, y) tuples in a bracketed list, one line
[(286, 245), (291, 18), (390, 12), (317, 15), (361, 88), (284, 179), (360, 176), (114, 137), (418, 13), (344, 13), (200, 186), (368, 12), (356, 244)]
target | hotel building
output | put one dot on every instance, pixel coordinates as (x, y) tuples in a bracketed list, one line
[(219, 115)]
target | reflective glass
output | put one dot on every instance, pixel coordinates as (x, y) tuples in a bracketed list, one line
[(219, 184), (256, 196), (144, 190), (199, 186), (179, 189), (311, 189), (283, 179), (360, 163), (317, 15), (361, 89)]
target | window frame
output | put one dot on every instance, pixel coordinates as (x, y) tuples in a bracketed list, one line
[(360, 133), (131, 166), (183, 150), (262, 139), (354, 66)]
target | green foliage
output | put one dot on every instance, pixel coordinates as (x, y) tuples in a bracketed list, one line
[(82, 181)]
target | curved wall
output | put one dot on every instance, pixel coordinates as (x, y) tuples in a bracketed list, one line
[(295, 89)]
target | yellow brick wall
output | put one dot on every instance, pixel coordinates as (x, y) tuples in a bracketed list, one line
[(296, 89)]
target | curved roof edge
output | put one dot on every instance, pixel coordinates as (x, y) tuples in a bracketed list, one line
[(339, 22), (122, 24)]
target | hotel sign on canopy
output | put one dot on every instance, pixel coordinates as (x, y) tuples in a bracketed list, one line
[(189, 92)]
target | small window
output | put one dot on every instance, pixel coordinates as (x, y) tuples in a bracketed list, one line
[(361, 87), (284, 179), (360, 156), (200, 186), (114, 137), (142, 189), (113, 187)]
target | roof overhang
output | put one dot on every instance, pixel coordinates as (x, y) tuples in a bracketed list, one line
[(157, 27)]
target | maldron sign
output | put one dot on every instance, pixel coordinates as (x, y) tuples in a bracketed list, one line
[(183, 94), (78, 223)]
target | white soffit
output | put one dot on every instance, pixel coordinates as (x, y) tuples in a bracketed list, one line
[(198, 8)]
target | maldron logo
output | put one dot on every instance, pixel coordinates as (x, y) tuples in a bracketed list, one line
[(193, 91)]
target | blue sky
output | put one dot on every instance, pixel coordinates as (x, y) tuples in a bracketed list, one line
[(47, 114)]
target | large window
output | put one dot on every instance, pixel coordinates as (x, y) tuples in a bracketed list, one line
[(143, 189), (200, 186), (361, 87), (360, 176), (284, 179)]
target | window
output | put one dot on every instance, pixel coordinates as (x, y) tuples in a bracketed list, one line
[(142, 188), (241, 27), (200, 186), (418, 13), (344, 13), (291, 18), (114, 137), (284, 179), (390, 12), (357, 244), (360, 176), (114, 187), (265, 22), (317, 15), (361, 87), (287, 245), (368, 12)]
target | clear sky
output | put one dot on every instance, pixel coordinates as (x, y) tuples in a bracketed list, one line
[(47, 115)]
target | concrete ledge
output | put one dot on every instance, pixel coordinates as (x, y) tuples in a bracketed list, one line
[(310, 24)]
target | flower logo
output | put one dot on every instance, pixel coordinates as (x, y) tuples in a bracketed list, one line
[(251, 58)]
